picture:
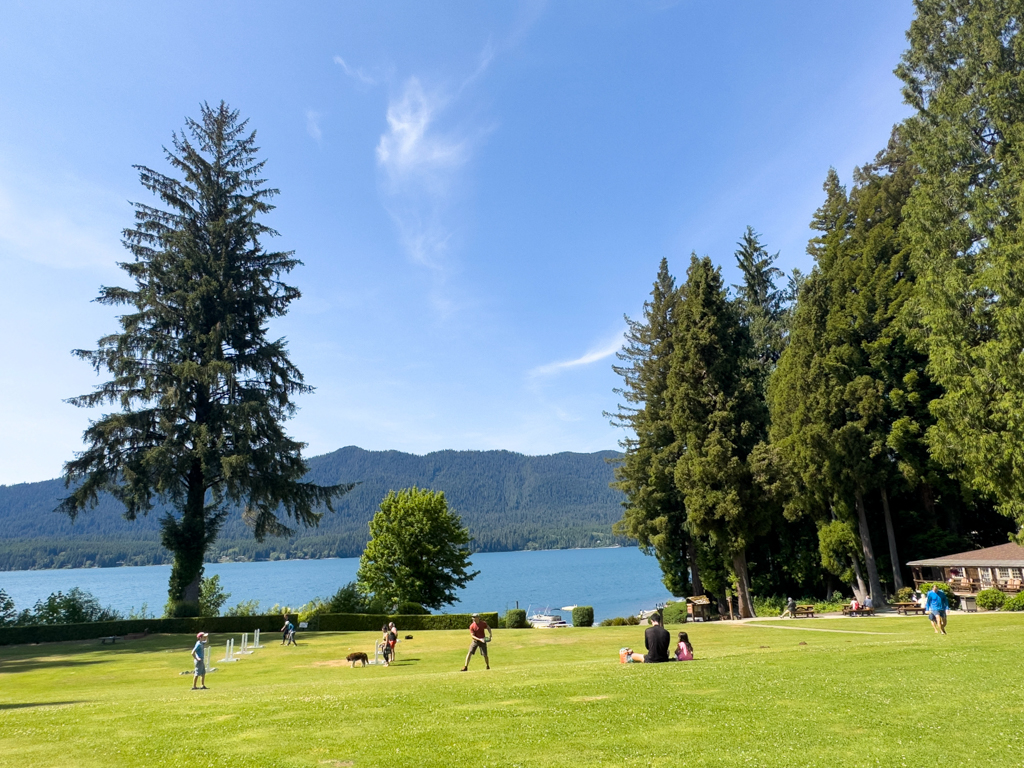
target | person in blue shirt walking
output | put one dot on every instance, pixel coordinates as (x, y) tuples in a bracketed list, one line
[(936, 608)]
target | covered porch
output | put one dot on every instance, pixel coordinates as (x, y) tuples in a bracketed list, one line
[(1000, 567)]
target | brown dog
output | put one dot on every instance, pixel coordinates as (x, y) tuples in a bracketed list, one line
[(355, 656)]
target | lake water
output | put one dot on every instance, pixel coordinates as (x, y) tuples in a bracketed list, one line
[(615, 581)]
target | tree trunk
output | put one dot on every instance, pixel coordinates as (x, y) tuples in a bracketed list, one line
[(691, 555), (874, 584), (739, 564), (187, 540), (860, 590), (897, 575)]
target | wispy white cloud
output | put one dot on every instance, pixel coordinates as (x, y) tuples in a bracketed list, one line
[(593, 356), (68, 225), (411, 150), (313, 125), (356, 73)]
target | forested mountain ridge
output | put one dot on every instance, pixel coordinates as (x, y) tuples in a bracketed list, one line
[(507, 500)]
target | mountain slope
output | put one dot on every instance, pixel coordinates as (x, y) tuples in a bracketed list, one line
[(509, 501)]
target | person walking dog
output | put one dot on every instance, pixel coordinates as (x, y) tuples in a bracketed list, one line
[(477, 631)]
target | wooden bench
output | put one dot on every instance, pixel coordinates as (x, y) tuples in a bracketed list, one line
[(806, 611), (906, 609), (110, 639), (848, 611)]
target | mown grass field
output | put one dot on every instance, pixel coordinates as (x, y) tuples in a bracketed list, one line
[(821, 692)]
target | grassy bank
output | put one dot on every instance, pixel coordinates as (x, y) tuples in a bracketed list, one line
[(823, 692)]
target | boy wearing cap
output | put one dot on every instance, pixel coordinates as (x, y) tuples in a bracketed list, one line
[(476, 631), (197, 657)]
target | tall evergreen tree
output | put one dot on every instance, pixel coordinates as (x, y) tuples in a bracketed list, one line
[(717, 414), (202, 391), (964, 74), (654, 513)]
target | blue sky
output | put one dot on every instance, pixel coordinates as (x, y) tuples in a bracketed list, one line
[(479, 191)]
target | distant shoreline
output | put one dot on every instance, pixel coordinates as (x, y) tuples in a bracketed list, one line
[(280, 560)]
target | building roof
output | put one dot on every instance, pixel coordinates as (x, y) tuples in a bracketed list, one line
[(1002, 556)]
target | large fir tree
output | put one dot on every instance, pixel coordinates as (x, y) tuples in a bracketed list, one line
[(201, 391), (654, 513), (964, 74), (717, 416)]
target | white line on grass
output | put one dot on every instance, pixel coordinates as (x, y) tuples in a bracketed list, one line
[(813, 629)]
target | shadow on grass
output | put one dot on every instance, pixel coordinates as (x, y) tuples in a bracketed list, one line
[(27, 705), (29, 665)]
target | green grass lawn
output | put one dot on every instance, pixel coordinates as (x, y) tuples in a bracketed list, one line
[(820, 692)]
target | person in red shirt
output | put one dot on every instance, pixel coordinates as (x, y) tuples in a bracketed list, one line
[(477, 631)]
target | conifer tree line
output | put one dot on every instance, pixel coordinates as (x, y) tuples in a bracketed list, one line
[(805, 434)]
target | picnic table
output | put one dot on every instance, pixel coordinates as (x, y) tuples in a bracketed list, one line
[(848, 611), (908, 608), (807, 611)]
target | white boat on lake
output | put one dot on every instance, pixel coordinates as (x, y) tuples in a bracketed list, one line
[(547, 621)]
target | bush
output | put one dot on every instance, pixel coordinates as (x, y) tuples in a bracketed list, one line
[(8, 616), (181, 609), (75, 607), (1015, 603), (515, 618), (954, 601), (348, 599), (244, 608), (211, 596), (313, 608), (769, 606), (675, 613), (619, 621), (904, 595), (990, 599), (583, 616)]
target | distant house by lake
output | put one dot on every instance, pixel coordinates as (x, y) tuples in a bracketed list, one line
[(1001, 567)]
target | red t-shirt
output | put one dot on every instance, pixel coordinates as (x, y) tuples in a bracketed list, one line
[(477, 629)]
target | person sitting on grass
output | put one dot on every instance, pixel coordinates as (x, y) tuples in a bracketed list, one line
[(197, 657), (684, 651), (656, 640)]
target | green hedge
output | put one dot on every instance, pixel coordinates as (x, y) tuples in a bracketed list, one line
[(675, 613), (583, 616), (1015, 603), (515, 618), (370, 622), (56, 633), (325, 622)]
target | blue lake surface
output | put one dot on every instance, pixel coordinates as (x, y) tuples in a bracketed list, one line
[(615, 581)]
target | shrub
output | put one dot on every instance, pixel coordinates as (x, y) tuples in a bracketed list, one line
[(312, 609), (954, 601), (348, 599), (211, 597), (769, 606), (1015, 603), (515, 618), (619, 621), (8, 616), (904, 595), (244, 608), (583, 616), (990, 599), (75, 607), (181, 609), (675, 613)]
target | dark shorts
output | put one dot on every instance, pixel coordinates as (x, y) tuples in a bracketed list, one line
[(478, 644)]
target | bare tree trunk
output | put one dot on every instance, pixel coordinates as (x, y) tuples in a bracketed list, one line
[(860, 589), (874, 584), (691, 556), (897, 576), (739, 565)]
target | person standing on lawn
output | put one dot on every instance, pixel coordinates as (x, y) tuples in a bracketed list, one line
[(476, 631), (936, 607), (197, 657), (656, 640)]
